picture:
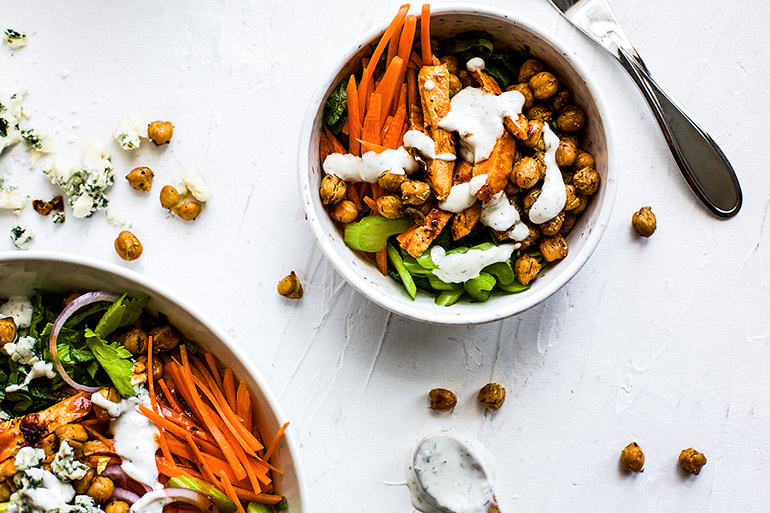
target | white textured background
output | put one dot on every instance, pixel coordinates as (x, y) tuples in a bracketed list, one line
[(663, 341)]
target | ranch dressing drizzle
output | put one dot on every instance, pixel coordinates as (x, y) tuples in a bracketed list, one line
[(553, 195), (429, 85), (478, 117), (446, 475), (369, 167), (459, 198), (461, 267), (151, 502), (425, 146), (501, 214)]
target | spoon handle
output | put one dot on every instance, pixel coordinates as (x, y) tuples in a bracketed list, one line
[(702, 164)]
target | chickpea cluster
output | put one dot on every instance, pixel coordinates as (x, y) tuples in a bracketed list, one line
[(547, 101)]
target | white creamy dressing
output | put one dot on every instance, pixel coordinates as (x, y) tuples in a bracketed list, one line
[(151, 502), (369, 167), (461, 267), (52, 494), (476, 183), (425, 146), (113, 409), (501, 214), (553, 195), (135, 439), (476, 64), (446, 475), (478, 117), (39, 369), (429, 85), (20, 308), (459, 198)]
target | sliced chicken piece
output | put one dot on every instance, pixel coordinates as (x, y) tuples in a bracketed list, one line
[(464, 222), (435, 105), (496, 167), (417, 238)]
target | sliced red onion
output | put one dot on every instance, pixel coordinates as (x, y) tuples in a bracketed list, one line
[(121, 494), (116, 473), (69, 311), (169, 495)]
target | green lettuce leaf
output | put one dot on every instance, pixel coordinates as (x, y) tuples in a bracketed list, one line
[(114, 359), (123, 312), (335, 110)]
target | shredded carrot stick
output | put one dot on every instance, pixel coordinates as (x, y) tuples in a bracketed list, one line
[(228, 386), (230, 491), (166, 468), (228, 424), (212, 363), (393, 43), (382, 261), (199, 457), (370, 203), (353, 194), (164, 446), (366, 78), (405, 48), (336, 144), (389, 86), (414, 103), (274, 445), (354, 117), (96, 434), (377, 191), (393, 137), (243, 405), (169, 396), (263, 498), (150, 380), (425, 35), (372, 127), (415, 62), (372, 147)]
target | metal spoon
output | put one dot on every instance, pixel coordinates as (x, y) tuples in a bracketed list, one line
[(702, 163)]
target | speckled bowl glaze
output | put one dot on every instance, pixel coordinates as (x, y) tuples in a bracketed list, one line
[(23, 272), (510, 31)]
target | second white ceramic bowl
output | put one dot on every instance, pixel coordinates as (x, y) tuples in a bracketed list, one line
[(511, 32)]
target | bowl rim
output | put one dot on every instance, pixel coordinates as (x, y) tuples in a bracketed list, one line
[(131, 275), (488, 314)]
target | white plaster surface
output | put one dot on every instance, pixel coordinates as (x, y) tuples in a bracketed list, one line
[(663, 341)]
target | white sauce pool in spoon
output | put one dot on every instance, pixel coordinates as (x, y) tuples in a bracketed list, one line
[(553, 195), (446, 475)]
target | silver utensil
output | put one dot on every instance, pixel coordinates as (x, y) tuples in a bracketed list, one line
[(703, 165)]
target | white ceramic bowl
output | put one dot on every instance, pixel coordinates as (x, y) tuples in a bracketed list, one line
[(23, 272), (508, 30)]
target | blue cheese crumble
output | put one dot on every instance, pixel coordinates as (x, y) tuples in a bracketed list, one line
[(10, 116), (21, 237), (130, 132), (65, 466), (20, 308), (23, 352), (15, 39), (85, 185), (11, 198)]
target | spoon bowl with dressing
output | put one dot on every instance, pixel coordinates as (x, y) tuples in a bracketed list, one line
[(510, 32)]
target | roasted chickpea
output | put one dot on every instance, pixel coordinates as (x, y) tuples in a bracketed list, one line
[(535, 135), (455, 86), (553, 226), (95, 448), (7, 330), (345, 212), (553, 248), (82, 484), (525, 173), (391, 182), (442, 400), (539, 157), (525, 268), (101, 489), (135, 341), (157, 366), (582, 204), (7, 469), (692, 461), (71, 432), (530, 199), (42, 207), (530, 240), (572, 199), (511, 189), (140, 178), (492, 396), (290, 286), (465, 78), (139, 373), (540, 112), (112, 395), (571, 119), (583, 159), (57, 204), (566, 151), (569, 222), (390, 206), (632, 458), (451, 63), (526, 92), (414, 192), (164, 338), (128, 246), (169, 197), (117, 507), (566, 176), (586, 180), (188, 209), (529, 69), (560, 100), (644, 222), (160, 132), (5, 492), (544, 85), (333, 190)]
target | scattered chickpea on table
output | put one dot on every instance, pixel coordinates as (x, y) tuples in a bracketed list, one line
[(160, 132), (290, 286), (492, 396), (692, 461), (442, 400), (644, 221), (632, 458), (140, 178), (128, 246)]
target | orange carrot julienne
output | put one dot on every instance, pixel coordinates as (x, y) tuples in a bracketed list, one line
[(372, 147), (96, 434), (336, 144), (414, 103), (353, 192), (166, 468), (366, 78), (377, 191), (169, 396), (199, 457), (425, 35), (370, 203), (230, 491), (405, 48), (393, 136), (393, 43), (227, 422), (274, 445), (243, 405), (382, 261), (213, 368), (389, 87), (228, 386), (263, 498), (372, 127), (150, 380), (354, 117)]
